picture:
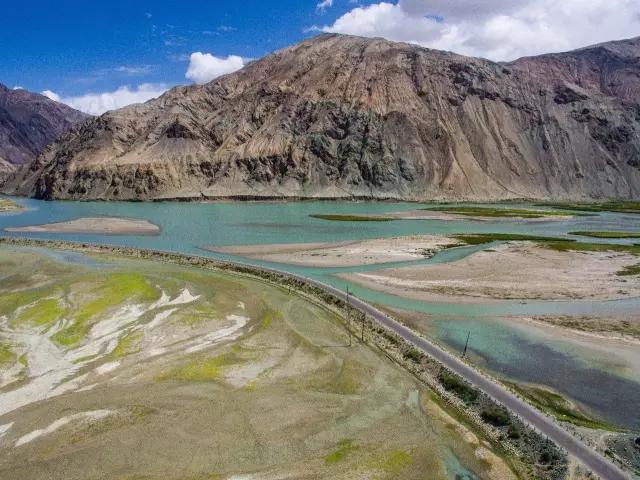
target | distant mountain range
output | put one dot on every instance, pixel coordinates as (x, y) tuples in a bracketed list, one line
[(28, 123), (341, 116)]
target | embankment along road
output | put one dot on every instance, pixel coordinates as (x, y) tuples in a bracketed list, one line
[(586, 455)]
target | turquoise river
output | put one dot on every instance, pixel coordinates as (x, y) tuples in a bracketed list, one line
[(604, 382)]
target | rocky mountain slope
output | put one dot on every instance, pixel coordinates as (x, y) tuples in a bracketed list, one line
[(342, 116), (28, 122)]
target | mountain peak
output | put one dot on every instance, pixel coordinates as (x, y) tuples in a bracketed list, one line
[(29, 121), (345, 116)]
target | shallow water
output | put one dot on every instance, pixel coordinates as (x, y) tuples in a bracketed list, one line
[(606, 388)]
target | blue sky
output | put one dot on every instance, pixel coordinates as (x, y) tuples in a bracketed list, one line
[(99, 55), (72, 47)]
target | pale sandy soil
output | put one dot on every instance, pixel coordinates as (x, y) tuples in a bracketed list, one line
[(511, 271), (343, 254), (98, 225), (214, 376)]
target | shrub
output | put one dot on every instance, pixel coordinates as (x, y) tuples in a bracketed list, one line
[(461, 389), (496, 416), (413, 355)]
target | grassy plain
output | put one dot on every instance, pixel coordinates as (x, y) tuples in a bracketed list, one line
[(168, 372)]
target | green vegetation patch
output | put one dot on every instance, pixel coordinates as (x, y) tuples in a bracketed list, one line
[(499, 212), (352, 218), (10, 302), (629, 271), (197, 315), (7, 355), (613, 206), (569, 246), (343, 449), (496, 416), (480, 238), (413, 354), (269, 316), (128, 344), (461, 389), (200, 369), (393, 462), (554, 243), (43, 313), (112, 292), (607, 234), (559, 407)]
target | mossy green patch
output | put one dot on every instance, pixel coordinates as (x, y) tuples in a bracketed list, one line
[(569, 246), (7, 355), (606, 234), (392, 462), (493, 212), (43, 313), (480, 238), (128, 344), (554, 243), (613, 206), (629, 271), (200, 369), (352, 218), (269, 316), (197, 315), (557, 406), (23, 360), (266, 319), (343, 449), (108, 294), (10, 302)]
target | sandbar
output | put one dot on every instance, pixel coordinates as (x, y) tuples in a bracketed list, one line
[(344, 254), (97, 225), (517, 270)]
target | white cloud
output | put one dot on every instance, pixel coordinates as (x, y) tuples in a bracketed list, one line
[(204, 67), (324, 4), (18, 87), (98, 103), (496, 29), (51, 95)]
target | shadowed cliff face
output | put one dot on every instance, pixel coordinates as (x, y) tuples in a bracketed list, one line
[(340, 116), (28, 122)]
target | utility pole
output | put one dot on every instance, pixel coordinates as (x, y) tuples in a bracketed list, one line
[(349, 316), (364, 316), (464, 352)]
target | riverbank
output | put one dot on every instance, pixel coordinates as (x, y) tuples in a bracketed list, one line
[(344, 254), (511, 271)]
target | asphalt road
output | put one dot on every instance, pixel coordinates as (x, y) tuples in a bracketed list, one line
[(589, 458)]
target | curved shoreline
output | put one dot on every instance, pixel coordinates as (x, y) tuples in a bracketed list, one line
[(400, 341)]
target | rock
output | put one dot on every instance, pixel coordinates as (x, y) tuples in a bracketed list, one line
[(28, 122), (342, 116)]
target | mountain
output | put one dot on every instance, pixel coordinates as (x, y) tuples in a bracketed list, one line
[(343, 116), (28, 122)]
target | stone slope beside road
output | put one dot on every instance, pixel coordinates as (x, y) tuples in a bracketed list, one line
[(340, 116)]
